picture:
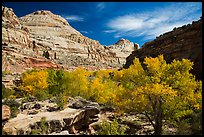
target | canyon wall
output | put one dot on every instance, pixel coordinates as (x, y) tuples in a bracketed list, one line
[(183, 42)]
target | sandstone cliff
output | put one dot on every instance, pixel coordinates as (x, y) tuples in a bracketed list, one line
[(43, 39), (16, 45), (182, 42)]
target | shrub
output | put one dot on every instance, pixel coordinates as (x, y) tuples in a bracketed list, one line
[(43, 125), (42, 129), (42, 94), (196, 122), (61, 101), (113, 128), (183, 127), (13, 106), (6, 92)]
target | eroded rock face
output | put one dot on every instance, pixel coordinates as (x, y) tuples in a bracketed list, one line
[(69, 47), (122, 48), (6, 112), (183, 42), (18, 51), (9, 18), (49, 37)]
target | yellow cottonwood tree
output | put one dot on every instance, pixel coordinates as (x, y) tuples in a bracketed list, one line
[(75, 83), (34, 80), (160, 91)]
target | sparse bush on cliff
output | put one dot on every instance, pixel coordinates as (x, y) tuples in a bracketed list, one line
[(6, 72)]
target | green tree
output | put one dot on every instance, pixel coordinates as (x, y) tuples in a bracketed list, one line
[(55, 81)]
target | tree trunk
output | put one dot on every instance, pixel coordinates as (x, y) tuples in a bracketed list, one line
[(158, 119), (158, 125)]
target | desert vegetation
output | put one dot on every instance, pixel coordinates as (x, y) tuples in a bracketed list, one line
[(159, 90)]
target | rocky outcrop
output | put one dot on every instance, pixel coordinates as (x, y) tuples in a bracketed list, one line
[(123, 45), (80, 117), (66, 45), (56, 121), (6, 112), (13, 32), (17, 48), (182, 42), (50, 38), (68, 120), (122, 48), (61, 133)]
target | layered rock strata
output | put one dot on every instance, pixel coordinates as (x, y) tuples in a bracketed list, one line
[(47, 40), (183, 42), (17, 51)]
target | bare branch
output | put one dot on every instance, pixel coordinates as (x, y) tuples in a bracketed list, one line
[(151, 121)]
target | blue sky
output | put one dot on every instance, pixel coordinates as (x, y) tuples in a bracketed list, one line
[(108, 22)]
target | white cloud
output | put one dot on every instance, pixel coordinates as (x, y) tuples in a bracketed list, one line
[(153, 23), (126, 23), (101, 6), (74, 18), (83, 31), (86, 32), (109, 31)]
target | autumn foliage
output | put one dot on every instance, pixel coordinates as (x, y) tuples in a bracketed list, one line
[(159, 90), (34, 80)]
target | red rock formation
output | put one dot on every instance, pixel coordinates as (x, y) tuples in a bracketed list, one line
[(182, 42), (40, 63)]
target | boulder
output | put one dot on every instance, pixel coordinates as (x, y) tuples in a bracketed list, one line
[(79, 102), (65, 132), (23, 124), (52, 108), (37, 106), (6, 112), (91, 111)]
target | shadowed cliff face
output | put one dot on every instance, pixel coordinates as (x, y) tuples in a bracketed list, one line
[(183, 42)]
